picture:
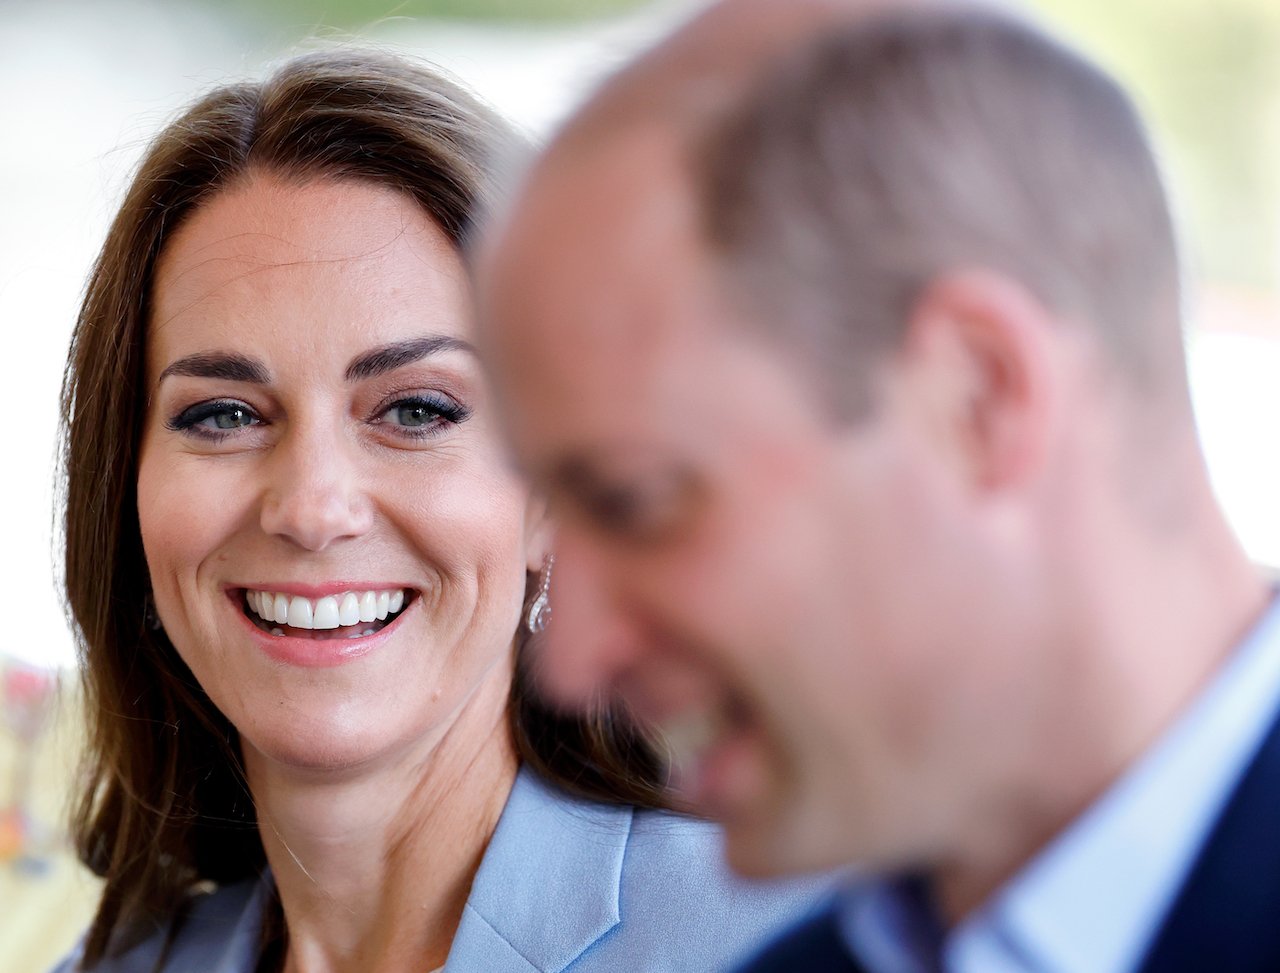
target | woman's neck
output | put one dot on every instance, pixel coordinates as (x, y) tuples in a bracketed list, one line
[(374, 866)]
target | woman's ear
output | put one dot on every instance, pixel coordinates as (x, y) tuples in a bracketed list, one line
[(539, 532)]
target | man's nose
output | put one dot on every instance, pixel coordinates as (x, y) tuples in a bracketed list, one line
[(316, 491), (589, 643)]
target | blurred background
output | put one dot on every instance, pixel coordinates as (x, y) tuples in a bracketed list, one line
[(85, 84)]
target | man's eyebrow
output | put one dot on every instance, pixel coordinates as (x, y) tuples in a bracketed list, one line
[(223, 365), (379, 361)]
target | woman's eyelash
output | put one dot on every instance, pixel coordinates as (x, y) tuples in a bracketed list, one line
[(190, 419), (411, 415), (422, 415)]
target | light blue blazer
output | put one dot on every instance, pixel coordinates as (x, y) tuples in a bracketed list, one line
[(565, 886)]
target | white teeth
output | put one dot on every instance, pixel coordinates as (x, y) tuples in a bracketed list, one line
[(349, 610), (332, 611), (326, 615), (300, 612)]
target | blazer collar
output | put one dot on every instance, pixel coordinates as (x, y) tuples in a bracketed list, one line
[(548, 886), (1224, 918)]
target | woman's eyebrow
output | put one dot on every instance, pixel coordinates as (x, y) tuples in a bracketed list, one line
[(390, 357), (223, 365)]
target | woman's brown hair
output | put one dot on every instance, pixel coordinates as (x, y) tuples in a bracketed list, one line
[(165, 806)]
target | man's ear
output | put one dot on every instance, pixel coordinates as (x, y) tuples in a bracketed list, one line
[(981, 353), (539, 532)]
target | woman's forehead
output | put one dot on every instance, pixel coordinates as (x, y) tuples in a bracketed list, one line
[(322, 263)]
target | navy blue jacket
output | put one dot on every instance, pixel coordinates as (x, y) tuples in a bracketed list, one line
[(1226, 917)]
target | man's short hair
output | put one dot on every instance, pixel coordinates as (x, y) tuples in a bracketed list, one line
[(911, 144)]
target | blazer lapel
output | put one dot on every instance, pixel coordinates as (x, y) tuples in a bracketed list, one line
[(548, 886), (1227, 915), (478, 946)]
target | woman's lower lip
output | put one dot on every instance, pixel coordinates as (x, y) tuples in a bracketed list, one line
[(314, 653)]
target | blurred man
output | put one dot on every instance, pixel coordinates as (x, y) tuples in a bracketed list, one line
[(847, 346)]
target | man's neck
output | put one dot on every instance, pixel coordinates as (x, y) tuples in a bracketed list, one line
[(1150, 627)]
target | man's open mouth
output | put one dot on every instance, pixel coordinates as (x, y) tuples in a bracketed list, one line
[(342, 615)]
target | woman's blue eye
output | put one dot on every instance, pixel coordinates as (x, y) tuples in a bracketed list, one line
[(232, 418), (416, 414), (419, 415), (211, 418)]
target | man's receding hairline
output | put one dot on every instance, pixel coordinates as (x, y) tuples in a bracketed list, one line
[(672, 93), (708, 65)]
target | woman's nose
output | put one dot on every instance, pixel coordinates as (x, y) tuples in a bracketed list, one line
[(316, 493)]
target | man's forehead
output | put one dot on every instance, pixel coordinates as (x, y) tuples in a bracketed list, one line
[(618, 178), (601, 299), (604, 241)]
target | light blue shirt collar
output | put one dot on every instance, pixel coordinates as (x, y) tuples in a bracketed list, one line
[(1093, 899)]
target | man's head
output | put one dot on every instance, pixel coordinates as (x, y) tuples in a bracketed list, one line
[(837, 375)]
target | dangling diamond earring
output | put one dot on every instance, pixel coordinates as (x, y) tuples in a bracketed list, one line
[(540, 608)]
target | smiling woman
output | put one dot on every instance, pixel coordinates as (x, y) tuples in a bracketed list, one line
[(302, 574)]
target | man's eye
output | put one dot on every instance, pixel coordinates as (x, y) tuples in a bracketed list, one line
[(628, 512), (616, 508), (636, 508)]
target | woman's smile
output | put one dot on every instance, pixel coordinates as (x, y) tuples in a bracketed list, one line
[(319, 631), (327, 417), (347, 613)]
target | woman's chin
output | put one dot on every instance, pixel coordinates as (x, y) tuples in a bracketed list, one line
[(330, 749)]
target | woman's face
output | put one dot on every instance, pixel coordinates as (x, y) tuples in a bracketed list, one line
[(336, 545)]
